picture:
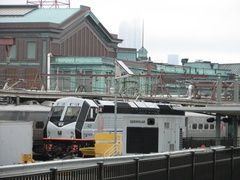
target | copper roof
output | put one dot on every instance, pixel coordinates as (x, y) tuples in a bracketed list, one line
[(31, 14)]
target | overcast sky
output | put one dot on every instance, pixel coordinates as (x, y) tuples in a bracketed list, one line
[(196, 29)]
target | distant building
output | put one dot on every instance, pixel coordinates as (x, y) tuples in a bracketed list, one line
[(130, 32), (44, 33), (77, 46), (173, 59), (142, 54)]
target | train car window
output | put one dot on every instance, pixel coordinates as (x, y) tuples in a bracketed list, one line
[(206, 126), (200, 126), (71, 114), (93, 111), (194, 126), (39, 125), (211, 126), (56, 113)]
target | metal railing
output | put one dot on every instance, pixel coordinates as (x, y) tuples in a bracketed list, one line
[(114, 150), (212, 164)]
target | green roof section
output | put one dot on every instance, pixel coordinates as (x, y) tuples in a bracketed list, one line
[(93, 17), (41, 15)]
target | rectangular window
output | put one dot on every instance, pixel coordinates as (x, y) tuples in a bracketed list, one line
[(92, 114), (166, 125), (194, 126), (31, 50), (13, 52), (71, 114), (56, 113)]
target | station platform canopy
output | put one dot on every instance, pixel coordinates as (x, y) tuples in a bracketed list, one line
[(222, 109)]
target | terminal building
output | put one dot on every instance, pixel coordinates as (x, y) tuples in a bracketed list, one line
[(70, 50)]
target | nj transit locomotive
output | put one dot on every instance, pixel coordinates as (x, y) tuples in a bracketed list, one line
[(73, 122)]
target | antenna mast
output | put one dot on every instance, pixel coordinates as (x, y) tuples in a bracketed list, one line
[(143, 34), (50, 4)]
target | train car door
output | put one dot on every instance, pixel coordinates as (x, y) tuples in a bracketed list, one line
[(169, 133)]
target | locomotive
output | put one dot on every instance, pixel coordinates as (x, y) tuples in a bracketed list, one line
[(73, 122)]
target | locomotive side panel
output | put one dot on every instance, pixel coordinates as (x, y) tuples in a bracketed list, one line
[(152, 133)]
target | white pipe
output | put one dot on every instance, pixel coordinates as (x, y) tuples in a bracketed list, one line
[(190, 88), (49, 55)]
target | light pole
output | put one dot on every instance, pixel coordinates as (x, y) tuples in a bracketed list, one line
[(49, 55), (119, 65), (115, 110)]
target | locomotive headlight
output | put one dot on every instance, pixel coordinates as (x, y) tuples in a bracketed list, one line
[(72, 136), (49, 134)]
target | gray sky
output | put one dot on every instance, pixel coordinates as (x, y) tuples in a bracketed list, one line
[(196, 29)]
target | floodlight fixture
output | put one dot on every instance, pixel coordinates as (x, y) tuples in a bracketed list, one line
[(120, 65)]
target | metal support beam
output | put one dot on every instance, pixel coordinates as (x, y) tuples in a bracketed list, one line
[(235, 130), (218, 126), (115, 110), (236, 89), (219, 88), (7, 41)]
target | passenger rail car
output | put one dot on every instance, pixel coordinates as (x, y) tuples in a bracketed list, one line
[(28, 112), (73, 122), (198, 126)]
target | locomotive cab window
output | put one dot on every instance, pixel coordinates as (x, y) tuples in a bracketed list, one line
[(71, 114), (92, 113), (56, 113)]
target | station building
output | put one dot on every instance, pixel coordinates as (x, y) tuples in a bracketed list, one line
[(65, 49)]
